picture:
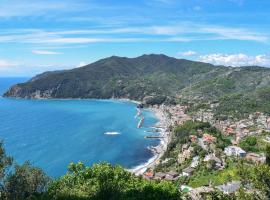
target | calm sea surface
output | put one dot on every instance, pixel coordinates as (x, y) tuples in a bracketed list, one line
[(53, 133)]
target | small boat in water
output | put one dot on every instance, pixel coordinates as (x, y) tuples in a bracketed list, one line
[(139, 113), (141, 122)]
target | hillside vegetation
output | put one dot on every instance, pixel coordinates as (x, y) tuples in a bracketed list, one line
[(156, 79)]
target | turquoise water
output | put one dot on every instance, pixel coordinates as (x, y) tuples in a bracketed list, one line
[(53, 133)]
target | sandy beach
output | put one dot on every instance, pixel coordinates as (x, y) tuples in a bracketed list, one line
[(162, 125)]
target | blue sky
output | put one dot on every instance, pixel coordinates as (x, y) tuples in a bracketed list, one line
[(39, 35)]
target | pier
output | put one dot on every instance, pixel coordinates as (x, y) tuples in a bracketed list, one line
[(153, 137)]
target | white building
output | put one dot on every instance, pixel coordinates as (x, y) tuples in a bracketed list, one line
[(234, 151)]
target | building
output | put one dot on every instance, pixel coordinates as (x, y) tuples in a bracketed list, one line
[(182, 157), (148, 175), (229, 131), (234, 151), (216, 160), (212, 157), (195, 162), (187, 171), (209, 138), (193, 138), (230, 187), (258, 158), (185, 147), (160, 175), (171, 176), (196, 193)]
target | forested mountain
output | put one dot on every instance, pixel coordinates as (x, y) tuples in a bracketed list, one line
[(152, 79)]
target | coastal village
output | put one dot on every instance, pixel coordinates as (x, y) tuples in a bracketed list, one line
[(186, 162)]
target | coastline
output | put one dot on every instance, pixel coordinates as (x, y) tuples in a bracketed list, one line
[(161, 147)]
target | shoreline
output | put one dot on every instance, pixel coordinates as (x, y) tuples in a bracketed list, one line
[(160, 148)]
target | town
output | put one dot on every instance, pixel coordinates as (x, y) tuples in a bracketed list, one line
[(205, 158)]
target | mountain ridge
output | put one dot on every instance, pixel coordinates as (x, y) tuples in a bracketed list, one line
[(152, 79), (116, 67)]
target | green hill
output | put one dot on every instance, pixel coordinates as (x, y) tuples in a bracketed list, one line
[(154, 79)]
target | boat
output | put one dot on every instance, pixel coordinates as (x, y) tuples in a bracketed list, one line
[(141, 122), (139, 113)]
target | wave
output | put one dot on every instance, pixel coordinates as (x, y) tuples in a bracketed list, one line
[(112, 133)]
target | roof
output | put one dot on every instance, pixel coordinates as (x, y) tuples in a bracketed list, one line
[(242, 126), (208, 138), (149, 174), (212, 157), (229, 187), (188, 170), (173, 173), (234, 148), (169, 178), (160, 174), (185, 146), (256, 157)]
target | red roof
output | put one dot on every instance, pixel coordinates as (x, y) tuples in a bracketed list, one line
[(149, 174)]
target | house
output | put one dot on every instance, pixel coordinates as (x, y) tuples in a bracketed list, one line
[(195, 162), (234, 142), (230, 187), (148, 175), (187, 171), (258, 158), (160, 175), (182, 157), (185, 188), (196, 193), (185, 147), (208, 138), (242, 126), (171, 176), (229, 131), (212, 157), (267, 139), (193, 138), (234, 151)]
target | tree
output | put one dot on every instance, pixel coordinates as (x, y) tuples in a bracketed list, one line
[(22, 182), (5, 164), (267, 152), (104, 181), (25, 182)]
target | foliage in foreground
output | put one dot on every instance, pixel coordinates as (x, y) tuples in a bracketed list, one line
[(20, 182), (104, 181), (99, 182)]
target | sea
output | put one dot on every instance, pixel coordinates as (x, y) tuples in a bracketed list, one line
[(53, 133)]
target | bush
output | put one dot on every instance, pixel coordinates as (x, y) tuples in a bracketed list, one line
[(249, 144), (104, 181)]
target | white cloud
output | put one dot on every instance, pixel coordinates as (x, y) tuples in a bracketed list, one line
[(187, 53), (184, 32), (235, 33), (6, 64), (236, 59), (24, 8), (21, 68), (45, 52)]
